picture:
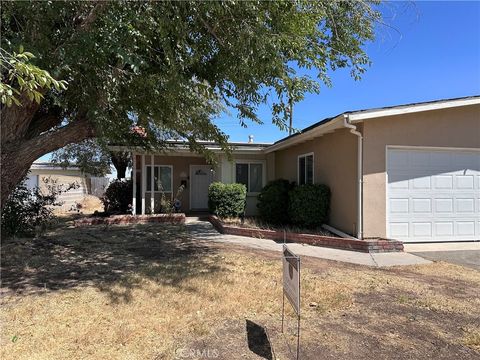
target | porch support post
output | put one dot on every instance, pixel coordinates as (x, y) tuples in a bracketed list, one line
[(152, 194), (134, 183), (144, 174)]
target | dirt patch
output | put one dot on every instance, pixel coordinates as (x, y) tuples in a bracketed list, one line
[(155, 292)]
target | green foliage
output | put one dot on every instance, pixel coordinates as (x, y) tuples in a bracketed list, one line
[(227, 200), (309, 205), (27, 212), (118, 197), (89, 155), (273, 202), (19, 75), (170, 66)]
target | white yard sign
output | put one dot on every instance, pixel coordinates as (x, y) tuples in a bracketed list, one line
[(291, 287), (291, 278)]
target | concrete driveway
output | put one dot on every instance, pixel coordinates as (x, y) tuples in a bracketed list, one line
[(464, 254)]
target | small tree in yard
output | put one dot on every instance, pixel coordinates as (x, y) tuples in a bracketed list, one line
[(75, 70)]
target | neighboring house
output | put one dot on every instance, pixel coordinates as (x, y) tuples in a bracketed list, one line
[(409, 172), (41, 171)]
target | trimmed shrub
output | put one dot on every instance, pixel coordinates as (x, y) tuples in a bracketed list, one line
[(227, 200), (273, 202), (309, 205), (118, 197)]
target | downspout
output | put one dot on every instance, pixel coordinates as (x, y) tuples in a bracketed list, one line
[(354, 131)]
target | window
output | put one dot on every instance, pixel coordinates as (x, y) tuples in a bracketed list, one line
[(251, 175), (162, 178), (305, 169)]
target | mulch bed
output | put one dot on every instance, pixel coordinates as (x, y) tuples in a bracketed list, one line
[(371, 245)]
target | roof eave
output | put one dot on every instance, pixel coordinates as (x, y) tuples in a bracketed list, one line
[(366, 115), (330, 126)]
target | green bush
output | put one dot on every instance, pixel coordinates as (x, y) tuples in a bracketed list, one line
[(30, 211), (309, 205), (227, 200), (118, 197), (273, 202)]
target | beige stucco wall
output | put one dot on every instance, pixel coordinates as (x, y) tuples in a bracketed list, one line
[(455, 127), (335, 164)]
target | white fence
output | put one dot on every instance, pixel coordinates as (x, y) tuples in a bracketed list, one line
[(97, 185)]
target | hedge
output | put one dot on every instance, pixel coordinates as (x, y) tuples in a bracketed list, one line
[(309, 205), (227, 200), (273, 202)]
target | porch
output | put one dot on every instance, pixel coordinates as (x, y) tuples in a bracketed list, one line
[(183, 179)]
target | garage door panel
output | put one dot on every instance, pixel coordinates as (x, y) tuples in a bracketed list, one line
[(443, 205), (422, 229), (466, 228), (465, 182), (433, 195), (443, 182), (421, 183), (466, 205), (444, 228), (399, 229), (399, 206), (423, 206)]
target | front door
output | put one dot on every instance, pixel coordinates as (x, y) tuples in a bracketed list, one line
[(200, 179)]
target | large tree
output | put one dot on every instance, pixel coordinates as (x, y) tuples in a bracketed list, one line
[(76, 70)]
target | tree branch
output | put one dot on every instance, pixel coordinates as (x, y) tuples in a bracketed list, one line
[(43, 121), (88, 20), (76, 131), (211, 30)]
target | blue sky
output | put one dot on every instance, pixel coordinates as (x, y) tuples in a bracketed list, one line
[(432, 53)]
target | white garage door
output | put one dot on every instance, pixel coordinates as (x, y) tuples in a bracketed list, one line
[(433, 195)]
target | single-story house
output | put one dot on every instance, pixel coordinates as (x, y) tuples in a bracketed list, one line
[(408, 172), (43, 173)]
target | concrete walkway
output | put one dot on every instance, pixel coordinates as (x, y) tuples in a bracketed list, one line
[(205, 231)]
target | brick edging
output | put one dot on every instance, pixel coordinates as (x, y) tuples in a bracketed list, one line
[(131, 219), (367, 245)]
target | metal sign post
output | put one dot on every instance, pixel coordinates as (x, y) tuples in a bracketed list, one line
[(291, 287)]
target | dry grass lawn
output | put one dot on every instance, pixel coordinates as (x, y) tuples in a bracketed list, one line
[(154, 292)]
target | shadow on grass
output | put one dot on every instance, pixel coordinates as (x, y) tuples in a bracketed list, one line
[(258, 341), (115, 259)]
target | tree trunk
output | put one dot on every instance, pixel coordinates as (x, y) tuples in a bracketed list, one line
[(120, 160), (19, 154)]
